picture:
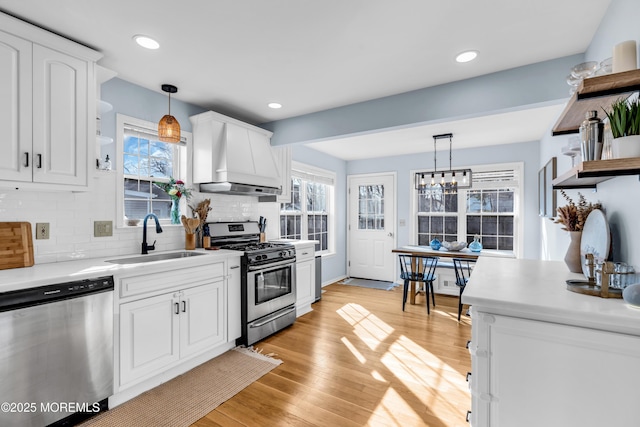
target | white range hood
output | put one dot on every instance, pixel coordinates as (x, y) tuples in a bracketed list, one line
[(233, 157)]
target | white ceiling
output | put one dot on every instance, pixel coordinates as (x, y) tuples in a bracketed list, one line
[(234, 57)]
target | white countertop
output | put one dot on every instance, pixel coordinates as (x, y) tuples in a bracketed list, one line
[(536, 289), (60, 272)]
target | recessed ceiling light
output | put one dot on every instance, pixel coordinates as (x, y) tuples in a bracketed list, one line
[(146, 41), (274, 105), (467, 56)]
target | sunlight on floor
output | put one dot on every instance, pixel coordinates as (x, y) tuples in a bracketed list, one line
[(353, 350), (422, 374), (367, 326)]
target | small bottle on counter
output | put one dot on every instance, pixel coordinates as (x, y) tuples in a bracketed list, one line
[(206, 237)]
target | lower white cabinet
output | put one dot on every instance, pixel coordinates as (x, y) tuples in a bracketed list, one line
[(305, 277), (234, 304), (157, 331), (531, 373)]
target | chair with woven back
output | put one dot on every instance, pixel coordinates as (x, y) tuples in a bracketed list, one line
[(420, 269), (463, 269)]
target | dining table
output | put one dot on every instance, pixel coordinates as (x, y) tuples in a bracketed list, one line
[(464, 253)]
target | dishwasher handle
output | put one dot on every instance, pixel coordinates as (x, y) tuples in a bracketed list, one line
[(13, 300)]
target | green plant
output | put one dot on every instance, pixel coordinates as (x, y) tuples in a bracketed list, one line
[(624, 118)]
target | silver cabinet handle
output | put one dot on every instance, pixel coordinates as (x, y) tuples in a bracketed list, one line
[(184, 306), (26, 160), (39, 161), (234, 267), (177, 308)]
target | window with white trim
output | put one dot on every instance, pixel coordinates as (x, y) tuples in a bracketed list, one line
[(309, 214), (143, 160), (489, 209)]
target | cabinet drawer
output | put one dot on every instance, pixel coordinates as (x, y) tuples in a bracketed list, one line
[(151, 283), (304, 253)]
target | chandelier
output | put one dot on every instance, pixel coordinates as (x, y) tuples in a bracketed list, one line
[(445, 181)]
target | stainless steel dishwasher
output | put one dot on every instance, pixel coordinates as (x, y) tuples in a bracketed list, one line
[(56, 352)]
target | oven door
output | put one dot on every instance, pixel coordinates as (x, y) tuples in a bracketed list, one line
[(270, 288)]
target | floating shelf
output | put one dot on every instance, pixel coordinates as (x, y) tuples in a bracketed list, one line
[(589, 174), (595, 93)]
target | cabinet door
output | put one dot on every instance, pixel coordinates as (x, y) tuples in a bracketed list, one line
[(202, 318), (234, 301), (15, 108), (148, 336), (283, 156), (60, 117), (305, 278)]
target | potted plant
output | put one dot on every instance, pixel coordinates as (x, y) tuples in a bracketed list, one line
[(624, 119)]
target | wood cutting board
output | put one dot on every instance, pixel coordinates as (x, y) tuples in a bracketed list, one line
[(16, 245)]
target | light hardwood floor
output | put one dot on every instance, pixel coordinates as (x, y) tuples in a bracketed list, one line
[(358, 360)]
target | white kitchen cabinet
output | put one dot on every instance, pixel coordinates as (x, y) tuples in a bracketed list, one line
[(149, 331), (305, 277), (155, 332), (531, 373), (48, 114), (544, 356), (283, 156), (234, 304)]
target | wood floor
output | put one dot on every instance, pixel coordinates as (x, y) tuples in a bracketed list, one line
[(358, 360)]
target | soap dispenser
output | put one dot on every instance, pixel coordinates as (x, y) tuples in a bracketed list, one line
[(107, 164)]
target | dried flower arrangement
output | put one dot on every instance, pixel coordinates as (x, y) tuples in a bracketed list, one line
[(573, 216)]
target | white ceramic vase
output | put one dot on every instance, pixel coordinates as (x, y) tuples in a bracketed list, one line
[(627, 146)]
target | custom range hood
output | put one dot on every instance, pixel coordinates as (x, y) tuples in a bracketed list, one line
[(233, 157)]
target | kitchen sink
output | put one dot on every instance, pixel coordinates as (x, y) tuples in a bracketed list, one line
[(154, 257)]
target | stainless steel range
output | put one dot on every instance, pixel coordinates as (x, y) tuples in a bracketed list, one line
[(268, 278)]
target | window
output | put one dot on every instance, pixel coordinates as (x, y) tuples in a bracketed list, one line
[(309, 215), (146, 160), (489, 209)]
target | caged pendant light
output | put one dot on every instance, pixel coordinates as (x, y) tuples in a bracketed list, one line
[(446, 181), (168, 127)]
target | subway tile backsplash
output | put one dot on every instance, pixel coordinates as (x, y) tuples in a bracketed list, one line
[(71, 216)]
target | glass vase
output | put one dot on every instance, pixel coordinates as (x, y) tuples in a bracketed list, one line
[(175, 211)]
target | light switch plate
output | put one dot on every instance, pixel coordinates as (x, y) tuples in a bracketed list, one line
[(102, 228), (42, 230)]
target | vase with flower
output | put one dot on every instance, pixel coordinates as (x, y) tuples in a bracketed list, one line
[(176, 189), (573, 216)]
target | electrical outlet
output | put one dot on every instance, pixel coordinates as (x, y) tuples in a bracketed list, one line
[(42, 230), (102, 228)]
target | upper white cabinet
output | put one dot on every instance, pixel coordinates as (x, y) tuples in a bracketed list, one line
[(283, 156), (48, 115)]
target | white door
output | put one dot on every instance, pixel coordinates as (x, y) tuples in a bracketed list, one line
[(372, 207)]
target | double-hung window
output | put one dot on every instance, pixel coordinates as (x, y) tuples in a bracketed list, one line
[(489, 209), (309, 215), (146, 160)]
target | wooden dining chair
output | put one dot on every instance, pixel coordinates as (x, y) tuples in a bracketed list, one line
[(420, 269), (463, 269)]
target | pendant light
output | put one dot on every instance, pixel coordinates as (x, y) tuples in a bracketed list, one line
[(168, 127), (450, 180)]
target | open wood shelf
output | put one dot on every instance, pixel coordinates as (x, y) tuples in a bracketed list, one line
[(595, 93), (589, 174)]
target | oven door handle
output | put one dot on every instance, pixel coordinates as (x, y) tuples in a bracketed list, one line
[(272, 318), (269, 266)]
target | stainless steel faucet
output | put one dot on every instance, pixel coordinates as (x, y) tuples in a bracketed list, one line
[(145, 247)]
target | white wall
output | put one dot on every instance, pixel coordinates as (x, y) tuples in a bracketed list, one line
[(619, 196)]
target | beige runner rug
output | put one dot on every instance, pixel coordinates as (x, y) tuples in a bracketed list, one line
[(189, 397)]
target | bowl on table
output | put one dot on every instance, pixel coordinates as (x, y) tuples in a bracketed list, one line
[(454, 246)]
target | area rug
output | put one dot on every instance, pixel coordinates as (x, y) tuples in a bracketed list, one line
[(368, 283), (189, 397)]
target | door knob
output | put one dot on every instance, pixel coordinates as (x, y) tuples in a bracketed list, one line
[(390, 234)]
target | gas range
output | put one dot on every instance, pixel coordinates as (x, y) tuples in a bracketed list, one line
[(245, 237), (268, 278)]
